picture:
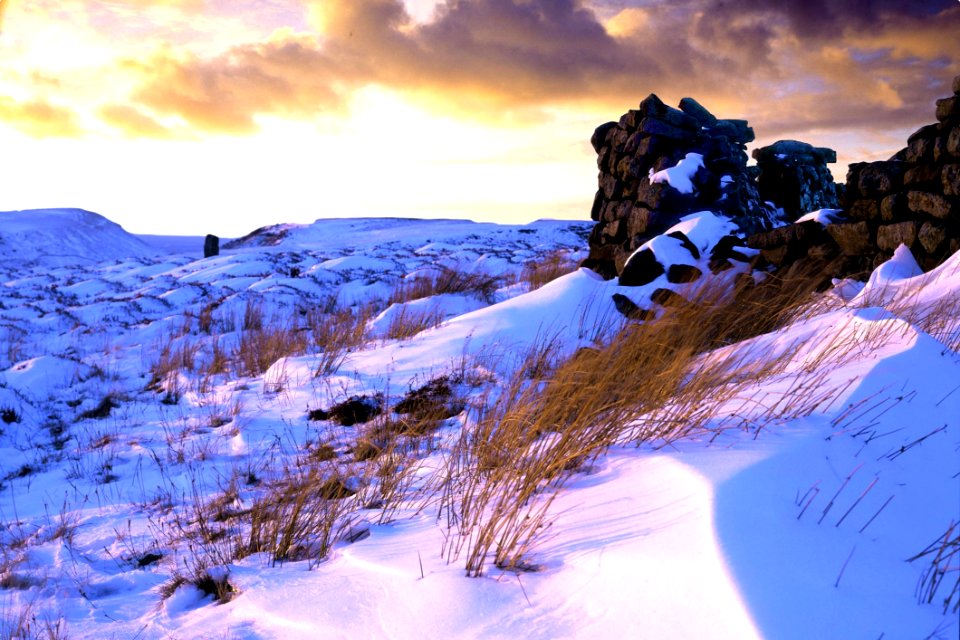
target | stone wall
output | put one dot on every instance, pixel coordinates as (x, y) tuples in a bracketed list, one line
[(632, 204), (911, 199)]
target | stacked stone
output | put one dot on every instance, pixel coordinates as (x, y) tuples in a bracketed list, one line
[(795, 176), (911, 199), (629, 208)]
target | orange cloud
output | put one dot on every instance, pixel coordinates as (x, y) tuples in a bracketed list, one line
[(823, 63), (133, 122), (286, 76), (39, 119)]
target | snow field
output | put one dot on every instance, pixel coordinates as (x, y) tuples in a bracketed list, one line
[(772, 485)]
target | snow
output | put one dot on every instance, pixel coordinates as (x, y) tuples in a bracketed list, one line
[(798, 529), (680, 176), (823, 216), (65, 236)]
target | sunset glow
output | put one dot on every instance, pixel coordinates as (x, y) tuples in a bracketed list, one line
[(196, 116)]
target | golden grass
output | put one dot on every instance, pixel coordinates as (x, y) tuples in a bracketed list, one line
[(409, 322), (548, 268), (446, 280), (656, 382)]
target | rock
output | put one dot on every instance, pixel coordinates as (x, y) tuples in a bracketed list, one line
[(893, 207), (931, 204), (211, 246), (610, 186), (919, 150), (628, 308), (880, 178), (667, 298), (776, 256), (598, 203), (683, 273), (613, 231), (787, 234), (948, 108), (639, 220), (853, 238), (956, 85), (865, 210), (795, 177), (950, 178), (640, 269), (931, 236), (922, 175), (686, 242), (630, 119), (697, 111), (599, 137), (652, 105), (736, 130), (726, 249), (891, 236), (658, 127), (953, 142)]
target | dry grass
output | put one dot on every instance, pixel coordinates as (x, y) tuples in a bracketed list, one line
[(263, 344), (941, 577), (653, 383), (408, 322), (302, 515), (537, 273), (446, 280), (335, 332)]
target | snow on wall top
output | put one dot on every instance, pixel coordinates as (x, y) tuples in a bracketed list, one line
[(65, 236)]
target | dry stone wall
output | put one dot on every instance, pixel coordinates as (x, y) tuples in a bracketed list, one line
[(911, 199), (633, 204)]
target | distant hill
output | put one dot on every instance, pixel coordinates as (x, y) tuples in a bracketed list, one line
[(66, 236)]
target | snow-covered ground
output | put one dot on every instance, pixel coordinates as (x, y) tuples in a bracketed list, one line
[(127, 459)]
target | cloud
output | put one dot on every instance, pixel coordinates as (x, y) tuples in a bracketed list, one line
[(287, 76), (39, 119), (870, 62), (134, 122)]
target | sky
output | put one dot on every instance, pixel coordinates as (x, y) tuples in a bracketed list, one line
[(220, 116)]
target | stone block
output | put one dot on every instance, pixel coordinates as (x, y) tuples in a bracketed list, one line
[(919, 150), (922, 175), (948, 108), (891, 236), (880, 178), (610, 185), (630, 120), (931, 236), (736, 130), (599, 137), (598, 204), (950, 179), (683, 273), (640, 269), (853, 238), (953, 142), (655, 126), (864, 210), (893, 207), (638, 221), (931, 204), (696, 110)]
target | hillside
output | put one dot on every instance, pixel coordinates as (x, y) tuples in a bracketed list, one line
[(323, 431)]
